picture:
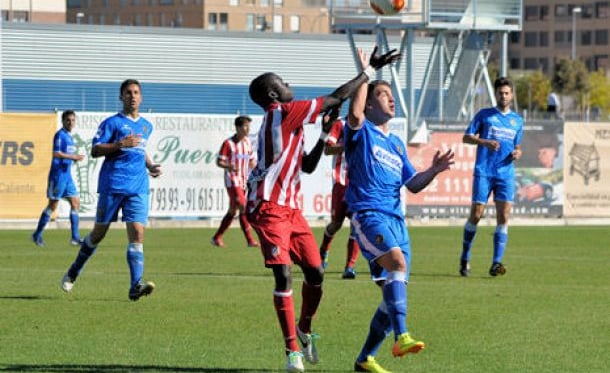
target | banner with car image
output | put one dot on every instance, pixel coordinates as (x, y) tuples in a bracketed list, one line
[(538, 176), (587, 170)]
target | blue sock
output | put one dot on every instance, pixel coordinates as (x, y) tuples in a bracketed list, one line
[(395, 297), (379, 329), (135, 261), (43, 221), (500, 240), (470, 230), (86, 250), (74, 224)]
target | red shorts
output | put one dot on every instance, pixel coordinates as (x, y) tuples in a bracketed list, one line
[(338, 210), (284, 235), (237, 197)]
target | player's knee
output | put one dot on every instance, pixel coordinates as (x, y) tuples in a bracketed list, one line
[(283, 277), (314, 275)]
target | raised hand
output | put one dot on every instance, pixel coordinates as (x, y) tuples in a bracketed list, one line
[(329, 118), (378, 61)]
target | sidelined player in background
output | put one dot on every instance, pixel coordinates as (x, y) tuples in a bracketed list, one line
[(334, 146), (274, 208), (60, 183), (497, 132), (123, 185), (378, 168), (237, 159)]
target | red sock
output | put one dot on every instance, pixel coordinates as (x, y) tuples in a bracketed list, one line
[(245, 227), (284, 307), (352, 252), (224, 225), (311, 300)]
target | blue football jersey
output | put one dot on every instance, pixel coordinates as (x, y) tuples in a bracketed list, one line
[(507, 129), (123, 172), (378, 167), (61, 167)]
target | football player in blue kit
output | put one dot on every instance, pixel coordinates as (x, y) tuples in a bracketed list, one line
[(497, 132), (123, 185), (60, 183), (378, 168)]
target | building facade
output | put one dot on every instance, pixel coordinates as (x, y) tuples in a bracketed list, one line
[(33, 11), (555, 29), (279, 16)]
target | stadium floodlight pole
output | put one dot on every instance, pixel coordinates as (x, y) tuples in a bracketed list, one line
[(575, 11)]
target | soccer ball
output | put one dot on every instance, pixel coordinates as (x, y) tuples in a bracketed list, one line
[(387, 7)]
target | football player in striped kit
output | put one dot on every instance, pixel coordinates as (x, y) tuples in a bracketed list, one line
[(237, 159), (274, 201)]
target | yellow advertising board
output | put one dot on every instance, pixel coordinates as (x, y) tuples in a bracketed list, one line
[(26, 145), (587, 170)]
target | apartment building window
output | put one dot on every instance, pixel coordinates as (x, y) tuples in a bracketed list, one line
[(515, 37), (152, 2), (278, 23), (212, 20), (278, 3), (123, 3), (531, 13), (602, 9), (545, 12), (137, 19), (531, 39), (515, 63), (105, 3), (295, 24), (73, 4), (150, 21), (250, 22), (601, 62), (102, 19), (250, 2), (530, 63), (543, 63), (561, 11), (233, 2), (179, 20), (135, 2), (20, 16), (601, 37), (544, 39), (264, 3), (588, 11), (560, 37), (166, 2), (117, 19), (586, 37), (224, 22)]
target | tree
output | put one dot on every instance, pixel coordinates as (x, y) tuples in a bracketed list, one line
[(571, 78), (598, 97), (532, 90)]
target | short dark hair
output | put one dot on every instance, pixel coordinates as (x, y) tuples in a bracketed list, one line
[(241, 120), (374, 84), (501, 82), (66, 114), (128, 82), (260, 87)]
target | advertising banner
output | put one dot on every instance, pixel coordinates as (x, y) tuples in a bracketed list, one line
[(26, 144), (587, 170), (186, 146), (538, 175)]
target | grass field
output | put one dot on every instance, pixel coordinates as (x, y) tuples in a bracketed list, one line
[(213, 311)]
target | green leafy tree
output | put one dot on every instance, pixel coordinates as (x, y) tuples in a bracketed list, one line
[(571, 78), (598, 97), (532, 90)]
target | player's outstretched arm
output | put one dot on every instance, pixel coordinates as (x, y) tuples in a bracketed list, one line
[(345, 91), (440, 163)]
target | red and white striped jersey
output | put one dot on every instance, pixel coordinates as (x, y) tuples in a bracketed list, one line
[(238, 154), (276, 177), (335, 137)]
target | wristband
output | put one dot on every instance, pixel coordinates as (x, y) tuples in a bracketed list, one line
[(324, 136), (369, 72)]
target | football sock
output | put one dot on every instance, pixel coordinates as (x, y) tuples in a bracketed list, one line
[(352, 252), (74, 224), (395, 297), (284, 308), (245, 227), (86, 250), (311, 295), (135, 261), (379, 329), (43, 221), (500, 240), (326, 240), (224, 225), (470, 230)]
